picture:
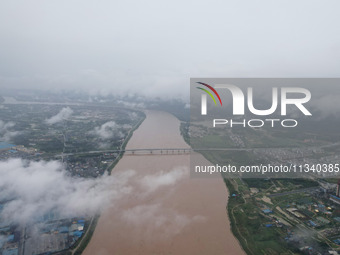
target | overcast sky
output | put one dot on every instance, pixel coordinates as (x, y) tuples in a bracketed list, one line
[(153, 47)]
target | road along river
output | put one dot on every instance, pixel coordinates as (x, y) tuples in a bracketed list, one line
[(168, 212)]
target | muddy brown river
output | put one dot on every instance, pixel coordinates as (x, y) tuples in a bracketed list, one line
[(168, 211)]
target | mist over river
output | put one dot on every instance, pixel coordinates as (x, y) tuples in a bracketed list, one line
[(168, 211)]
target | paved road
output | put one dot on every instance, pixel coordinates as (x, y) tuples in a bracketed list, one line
[(294, 192)]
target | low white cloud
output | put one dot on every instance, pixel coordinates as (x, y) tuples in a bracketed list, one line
[(36, 188), (155, 217), (6, 125), (131, 104), (148, 218), (6, 134), (33, 189), (151, 183), (64, 114), (326, 106), (107, 130), (133, 115)]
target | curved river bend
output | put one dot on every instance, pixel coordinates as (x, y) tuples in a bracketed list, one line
[(176, 214)]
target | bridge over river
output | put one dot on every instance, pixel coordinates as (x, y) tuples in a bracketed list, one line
[(154, 151), (167, 151)]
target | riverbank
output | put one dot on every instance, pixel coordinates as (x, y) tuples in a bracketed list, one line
[(79, 249)]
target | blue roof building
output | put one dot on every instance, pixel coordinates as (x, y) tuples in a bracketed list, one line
[(13, 251), (4, 145), (313, 224), (78, 233), (10, 238)]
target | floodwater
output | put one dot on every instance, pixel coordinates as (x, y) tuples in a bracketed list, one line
[(169, 212)]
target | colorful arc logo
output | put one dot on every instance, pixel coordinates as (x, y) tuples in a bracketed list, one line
[(209, 93)]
